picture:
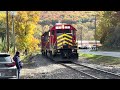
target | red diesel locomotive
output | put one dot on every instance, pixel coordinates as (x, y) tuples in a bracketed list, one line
[(60, 39)]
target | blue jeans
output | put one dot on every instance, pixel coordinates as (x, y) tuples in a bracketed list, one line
[(18, 73)]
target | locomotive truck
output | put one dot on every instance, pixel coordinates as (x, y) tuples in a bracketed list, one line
[(60, 39)]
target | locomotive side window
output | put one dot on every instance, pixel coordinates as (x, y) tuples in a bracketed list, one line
[(53, 32), (73, 32), (46, 38), (49, 33), (43, 38)]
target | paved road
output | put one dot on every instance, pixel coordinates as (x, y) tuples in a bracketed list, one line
[(104, 53)]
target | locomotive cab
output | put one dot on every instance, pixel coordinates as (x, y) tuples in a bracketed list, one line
[(66, 41)]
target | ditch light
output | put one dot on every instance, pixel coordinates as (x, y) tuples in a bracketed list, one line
[(62, 27)]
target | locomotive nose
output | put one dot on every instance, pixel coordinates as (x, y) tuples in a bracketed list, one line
[(65, 46)]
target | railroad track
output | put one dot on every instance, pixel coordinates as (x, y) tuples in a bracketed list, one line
[(84, 73), (91, 73)]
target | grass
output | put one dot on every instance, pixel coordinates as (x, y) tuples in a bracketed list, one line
[(27, 58), (99, 59), (109, 49)]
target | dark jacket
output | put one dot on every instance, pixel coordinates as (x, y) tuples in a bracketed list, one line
[(17, 61)]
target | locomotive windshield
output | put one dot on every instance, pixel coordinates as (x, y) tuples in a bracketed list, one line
[(59, 31), (64, 31), (67, 31)]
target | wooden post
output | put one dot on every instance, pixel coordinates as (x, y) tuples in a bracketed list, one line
[(7, 31)]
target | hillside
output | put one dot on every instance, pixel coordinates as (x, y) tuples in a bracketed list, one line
[(78, 19), (72, 16)]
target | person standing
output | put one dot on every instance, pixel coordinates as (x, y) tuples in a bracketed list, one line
[(18, 63)]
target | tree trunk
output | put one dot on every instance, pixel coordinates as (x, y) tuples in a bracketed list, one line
[(26, 52)]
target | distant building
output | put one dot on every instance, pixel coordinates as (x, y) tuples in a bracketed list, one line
[(88, 43)]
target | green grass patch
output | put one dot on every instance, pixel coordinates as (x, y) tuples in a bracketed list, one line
[(109, 49), (99, 59), (26, 59)]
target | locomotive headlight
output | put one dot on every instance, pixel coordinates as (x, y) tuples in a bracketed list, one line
[(58, 27), (62, 26), (74, 50), (67, 27)]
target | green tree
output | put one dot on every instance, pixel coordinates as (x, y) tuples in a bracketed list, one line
[(104, 26)]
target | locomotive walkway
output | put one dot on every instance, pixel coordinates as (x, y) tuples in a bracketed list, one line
[(104, 53)]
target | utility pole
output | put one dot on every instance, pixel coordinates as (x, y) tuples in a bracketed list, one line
[(81, 31), (81, 36), (95, 34), (7, 31), (13, 32)]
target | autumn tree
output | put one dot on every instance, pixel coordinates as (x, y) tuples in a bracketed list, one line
[(2, 31), (25, 26), (104, 26), (76, 18)]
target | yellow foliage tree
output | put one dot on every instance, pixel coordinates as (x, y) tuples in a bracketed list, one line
[(25, 25)]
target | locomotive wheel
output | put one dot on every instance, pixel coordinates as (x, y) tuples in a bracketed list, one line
[(51, 56), (76, 56), (46, 53), (62, 55), (42, 53), (54, 55)]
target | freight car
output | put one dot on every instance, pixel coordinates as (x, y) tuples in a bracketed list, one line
[(60, 40)]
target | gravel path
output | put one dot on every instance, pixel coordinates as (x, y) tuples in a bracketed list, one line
[(41, 68)]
